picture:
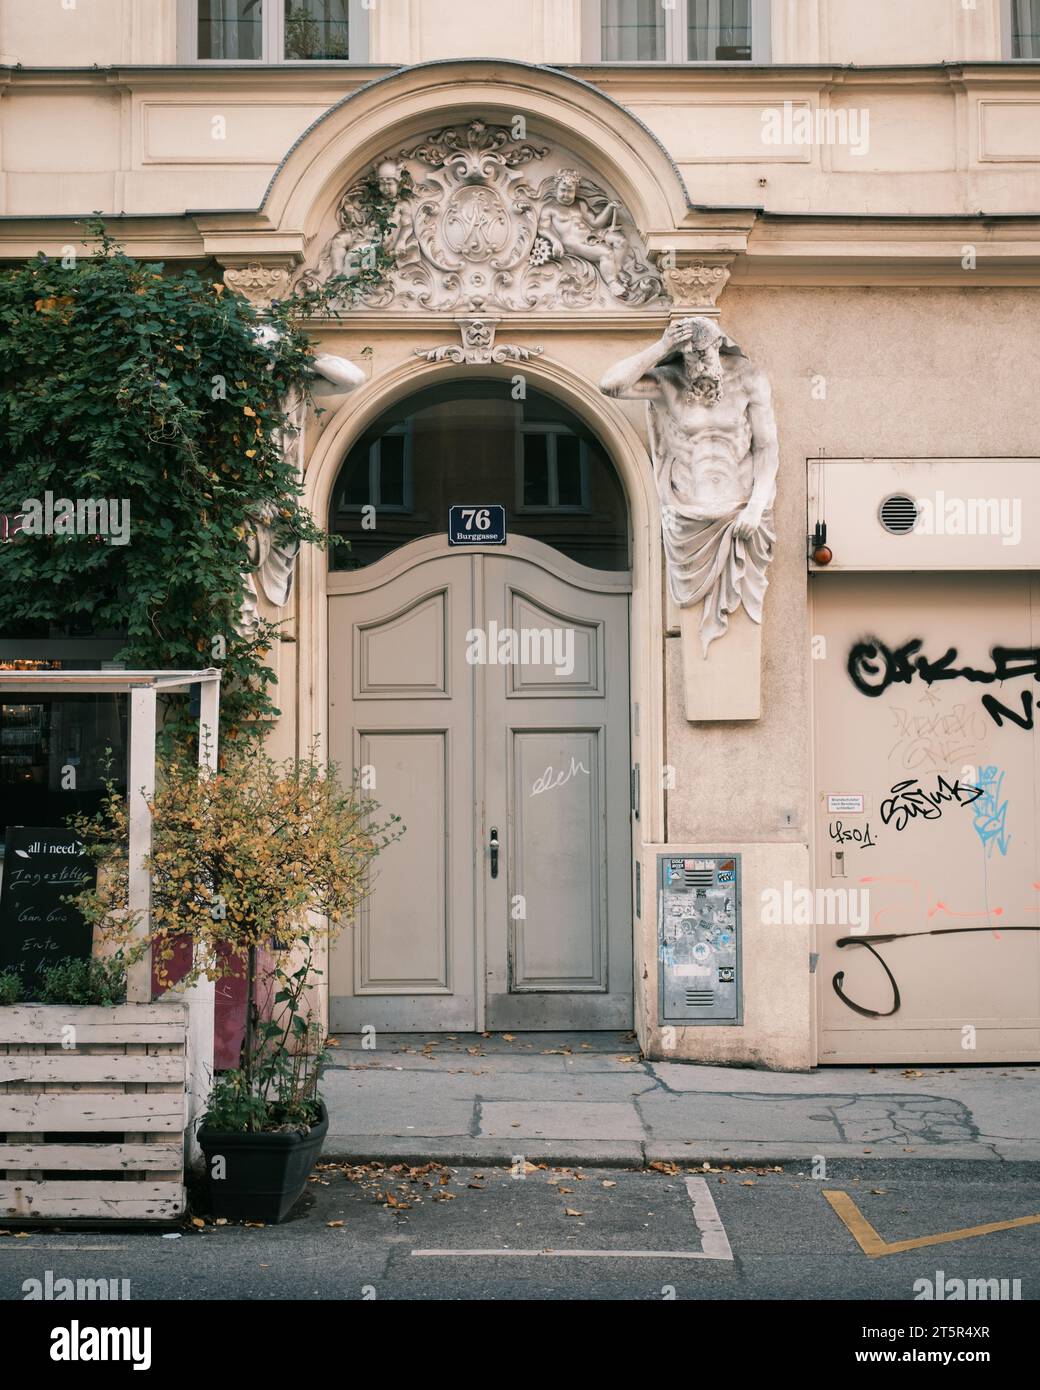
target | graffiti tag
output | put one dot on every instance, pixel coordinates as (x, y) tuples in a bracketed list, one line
[(862, 837), (991, 813), (873, 667), (908, 800)]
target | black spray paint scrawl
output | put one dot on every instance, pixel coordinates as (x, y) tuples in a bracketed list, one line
[(873, 667)]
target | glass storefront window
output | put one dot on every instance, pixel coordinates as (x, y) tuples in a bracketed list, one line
[(56, 754), (470, 442)]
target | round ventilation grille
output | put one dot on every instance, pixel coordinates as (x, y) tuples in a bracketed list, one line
[(898, 514)]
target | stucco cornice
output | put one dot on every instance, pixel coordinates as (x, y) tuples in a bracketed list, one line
[(759, 249)]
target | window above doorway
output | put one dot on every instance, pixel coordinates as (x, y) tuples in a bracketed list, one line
[(273, 31), (471, 442), (688, 31)]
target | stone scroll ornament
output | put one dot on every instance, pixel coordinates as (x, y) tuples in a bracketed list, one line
[(273, 561), (714, 448), (483, 220)]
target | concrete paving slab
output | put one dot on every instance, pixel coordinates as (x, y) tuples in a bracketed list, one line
[(527, 1090), (559, 1120)]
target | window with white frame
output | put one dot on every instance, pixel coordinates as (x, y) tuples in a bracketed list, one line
[(273, 31), (683, 31), (553, 471), (384, 478), (1022, 27)]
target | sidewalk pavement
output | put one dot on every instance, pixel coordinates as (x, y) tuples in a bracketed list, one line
[(588, 1098)]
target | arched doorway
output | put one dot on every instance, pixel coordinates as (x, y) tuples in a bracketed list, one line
[(483, 693)]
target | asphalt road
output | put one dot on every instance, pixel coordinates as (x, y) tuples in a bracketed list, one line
[(659, 1236)]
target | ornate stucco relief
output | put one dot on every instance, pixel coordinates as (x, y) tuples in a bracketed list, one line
[(484, 221), (477, 346)]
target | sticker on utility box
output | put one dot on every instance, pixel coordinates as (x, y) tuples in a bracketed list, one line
[(483, 524), (845, 804)]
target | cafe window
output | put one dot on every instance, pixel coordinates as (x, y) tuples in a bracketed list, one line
[(273, 31), (57, 752)]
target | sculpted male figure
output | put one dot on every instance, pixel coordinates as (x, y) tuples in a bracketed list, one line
[(714, 447)]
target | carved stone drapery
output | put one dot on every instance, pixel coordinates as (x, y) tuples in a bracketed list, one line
[(273, 558), (486, 221)]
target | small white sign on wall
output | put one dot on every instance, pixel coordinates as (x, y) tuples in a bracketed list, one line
[(845, 804)]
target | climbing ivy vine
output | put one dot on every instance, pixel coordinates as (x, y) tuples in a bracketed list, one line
[(139, 384)]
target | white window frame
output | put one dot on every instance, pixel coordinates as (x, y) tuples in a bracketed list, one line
[(1006, 20), (553, 506), (675, 37), (375, 476), (272, 50)]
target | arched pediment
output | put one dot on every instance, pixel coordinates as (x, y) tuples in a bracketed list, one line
[(517, 187)]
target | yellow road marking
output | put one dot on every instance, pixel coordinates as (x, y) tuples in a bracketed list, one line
[(874, 1246)]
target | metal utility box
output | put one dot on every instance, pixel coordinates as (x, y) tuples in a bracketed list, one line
[(698, 938)]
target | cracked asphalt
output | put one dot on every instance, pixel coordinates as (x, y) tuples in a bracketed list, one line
[(563, 1233), (589, 1098)]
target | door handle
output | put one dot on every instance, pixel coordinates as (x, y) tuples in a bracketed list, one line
[(493, 847)]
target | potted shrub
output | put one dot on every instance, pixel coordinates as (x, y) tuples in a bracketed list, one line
[(266, 1122), (245, 863)]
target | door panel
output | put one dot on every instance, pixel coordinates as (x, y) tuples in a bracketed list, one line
[(964, 863), (403, 948), (531, 739), (401, 705), (559, 928), (558, 862)]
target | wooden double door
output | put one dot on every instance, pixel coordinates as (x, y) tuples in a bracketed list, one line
[(484, 696)]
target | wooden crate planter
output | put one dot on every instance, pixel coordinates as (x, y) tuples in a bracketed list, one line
[(96, 1129)]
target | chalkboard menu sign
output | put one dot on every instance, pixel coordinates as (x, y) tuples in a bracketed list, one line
[(42, 865)]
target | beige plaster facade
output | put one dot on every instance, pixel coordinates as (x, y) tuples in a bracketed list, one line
[(891, 295)]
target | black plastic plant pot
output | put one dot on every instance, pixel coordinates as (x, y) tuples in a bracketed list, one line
[(262, 1175)]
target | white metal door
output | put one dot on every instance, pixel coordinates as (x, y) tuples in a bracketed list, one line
[(927, 803)]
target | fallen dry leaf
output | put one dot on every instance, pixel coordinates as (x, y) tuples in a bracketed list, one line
[(748, 1182), (569, 1211), (508, 1037), (335, 1223), (197, 1221), (608, 1183), (670, 1168)]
